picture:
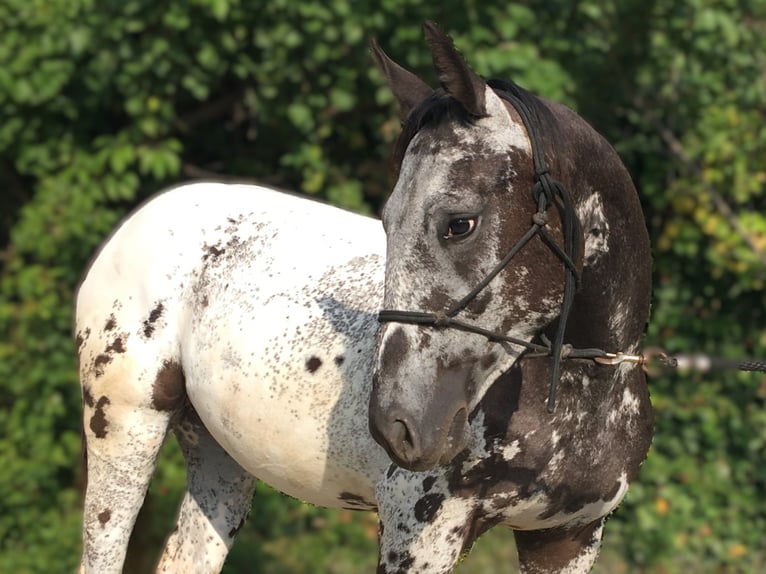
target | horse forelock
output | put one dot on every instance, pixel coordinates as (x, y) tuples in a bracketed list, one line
[(440, 108)]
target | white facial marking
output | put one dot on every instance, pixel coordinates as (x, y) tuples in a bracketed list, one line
[(629, 405), (555, 461)]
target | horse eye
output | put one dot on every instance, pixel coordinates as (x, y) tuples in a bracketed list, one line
[(460, 227)]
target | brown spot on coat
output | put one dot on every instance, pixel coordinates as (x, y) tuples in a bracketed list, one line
[(117, 346), (99, 362), (427, 507), (104, 517), (313, 364), (154, 315), (111, 323), (98, 422), (87, 397), (169, 391), (212, 251), (81, 337), (428, 483)]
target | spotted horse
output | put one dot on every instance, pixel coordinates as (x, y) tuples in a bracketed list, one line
[(243, 320)]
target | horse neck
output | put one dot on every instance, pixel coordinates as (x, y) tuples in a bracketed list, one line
[(612, 305)]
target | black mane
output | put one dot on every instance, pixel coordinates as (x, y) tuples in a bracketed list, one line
[(440, 108)]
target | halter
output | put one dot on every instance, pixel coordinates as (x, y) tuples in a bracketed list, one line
[(544, 192)]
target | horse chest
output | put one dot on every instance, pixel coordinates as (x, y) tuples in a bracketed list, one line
[(533, 470)]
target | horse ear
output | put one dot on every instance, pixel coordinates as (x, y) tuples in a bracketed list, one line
[(457, 79), (408, 89)]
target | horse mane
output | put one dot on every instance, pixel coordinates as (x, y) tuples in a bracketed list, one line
[(440, 108)]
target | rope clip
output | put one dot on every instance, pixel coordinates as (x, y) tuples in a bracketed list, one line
[(619, 358)]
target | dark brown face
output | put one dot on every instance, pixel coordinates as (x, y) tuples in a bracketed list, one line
[(461, 201)]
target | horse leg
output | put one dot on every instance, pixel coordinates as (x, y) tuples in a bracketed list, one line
[(559, 550), (423, 527), (122, 437), (215, 505)]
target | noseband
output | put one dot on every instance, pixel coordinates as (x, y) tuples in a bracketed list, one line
[(544, 192)]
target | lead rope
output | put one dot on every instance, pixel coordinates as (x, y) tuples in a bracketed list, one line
[(653, 360)]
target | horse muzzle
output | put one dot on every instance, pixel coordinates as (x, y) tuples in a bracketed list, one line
[(420, 440)]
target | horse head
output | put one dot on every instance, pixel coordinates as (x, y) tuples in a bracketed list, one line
[(461, 201), (468, 196)]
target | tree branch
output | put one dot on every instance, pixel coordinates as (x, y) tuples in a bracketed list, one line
[(677, 149)]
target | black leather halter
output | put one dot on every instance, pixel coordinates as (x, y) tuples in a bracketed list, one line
[(544, 192)]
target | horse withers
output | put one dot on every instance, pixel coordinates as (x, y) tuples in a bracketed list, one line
[(244, 320)]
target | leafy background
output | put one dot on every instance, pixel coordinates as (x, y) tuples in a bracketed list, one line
[(104, 103)]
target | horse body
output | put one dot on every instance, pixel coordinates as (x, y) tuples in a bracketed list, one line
[(245, 320)]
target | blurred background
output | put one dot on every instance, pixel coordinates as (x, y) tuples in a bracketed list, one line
[(103, 103)]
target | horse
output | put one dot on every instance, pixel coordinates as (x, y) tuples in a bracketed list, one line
[(245, 320)]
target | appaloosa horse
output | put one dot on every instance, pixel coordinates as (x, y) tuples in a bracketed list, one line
[(243, 319)]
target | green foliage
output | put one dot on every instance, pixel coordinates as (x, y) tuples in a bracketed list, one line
[(104, 103)]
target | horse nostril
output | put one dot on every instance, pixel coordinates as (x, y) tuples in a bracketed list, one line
[(400, 434)]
